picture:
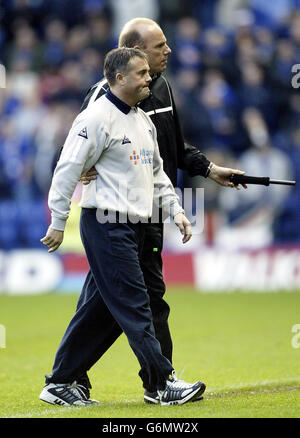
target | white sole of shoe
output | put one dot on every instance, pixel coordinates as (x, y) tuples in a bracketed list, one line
[(93, 400), (47, 397), (151, 400)]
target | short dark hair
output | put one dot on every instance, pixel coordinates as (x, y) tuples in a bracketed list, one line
[(117, 60), (131, 39)]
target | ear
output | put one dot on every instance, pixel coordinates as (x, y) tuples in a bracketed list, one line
[(120, 79)]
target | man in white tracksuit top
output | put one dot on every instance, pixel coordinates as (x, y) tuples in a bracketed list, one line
[(119, 139)]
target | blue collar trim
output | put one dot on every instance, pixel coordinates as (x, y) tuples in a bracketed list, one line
[(122, 106)]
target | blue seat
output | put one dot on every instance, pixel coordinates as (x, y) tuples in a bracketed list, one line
[(9, 236)]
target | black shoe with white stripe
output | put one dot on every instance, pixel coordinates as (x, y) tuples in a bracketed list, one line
[(64, 394), (87, 393), (152, 398), (178, 392)]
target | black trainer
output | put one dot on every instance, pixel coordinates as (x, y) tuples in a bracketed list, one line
[(64, 394), (86, 393), (152, 398), (178, 392)]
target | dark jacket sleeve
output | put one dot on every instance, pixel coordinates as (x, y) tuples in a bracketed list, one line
[(188, 156), (85, 103), (88, 95)]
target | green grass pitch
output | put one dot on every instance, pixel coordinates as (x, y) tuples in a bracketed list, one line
[(239, 344)]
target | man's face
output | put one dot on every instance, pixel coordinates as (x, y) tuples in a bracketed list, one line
[(137, 80), (156, 49)]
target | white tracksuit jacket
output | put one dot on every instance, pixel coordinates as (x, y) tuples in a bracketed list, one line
[(120, 141)]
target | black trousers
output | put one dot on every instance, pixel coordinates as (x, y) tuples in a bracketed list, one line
[(151, 265), (150, 259), (114, 299)]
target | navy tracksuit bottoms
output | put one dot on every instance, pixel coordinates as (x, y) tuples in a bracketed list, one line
[(113, 254)]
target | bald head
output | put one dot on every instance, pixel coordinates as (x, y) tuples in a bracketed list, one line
[(146, 34), (135, 30)]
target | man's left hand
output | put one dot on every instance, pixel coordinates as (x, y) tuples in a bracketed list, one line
[(89, 176), (221, 176), (184, 226), (53, 239)]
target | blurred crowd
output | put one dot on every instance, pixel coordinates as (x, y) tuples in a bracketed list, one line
[(231, 71)]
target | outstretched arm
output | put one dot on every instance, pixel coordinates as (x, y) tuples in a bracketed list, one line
[(221, 175)]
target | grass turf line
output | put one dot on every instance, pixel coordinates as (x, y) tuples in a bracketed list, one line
[(226, 340)]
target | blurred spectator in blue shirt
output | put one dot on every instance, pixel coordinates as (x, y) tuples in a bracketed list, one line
[(54, 43), (286, 225), (194, 117), (25, 47), (281, 66), (265, 45), (218, 50), (219, 101), (261, 159), (100, 34), (187, 45), (254, 91), (294, 32), (17, 159)]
